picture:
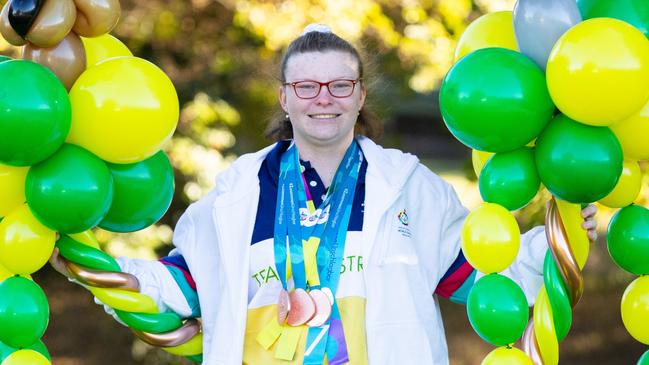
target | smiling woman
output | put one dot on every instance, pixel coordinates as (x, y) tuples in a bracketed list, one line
[(323, 245)]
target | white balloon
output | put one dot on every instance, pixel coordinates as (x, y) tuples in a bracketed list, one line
[(538, 24)]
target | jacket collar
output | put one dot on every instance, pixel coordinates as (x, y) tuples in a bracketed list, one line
[(392, 167)]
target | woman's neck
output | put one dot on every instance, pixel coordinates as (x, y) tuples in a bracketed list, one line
[(324, 159)]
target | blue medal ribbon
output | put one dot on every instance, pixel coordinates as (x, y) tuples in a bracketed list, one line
[(291, 198)]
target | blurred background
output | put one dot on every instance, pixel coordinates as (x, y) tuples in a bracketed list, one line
[(223, 57)]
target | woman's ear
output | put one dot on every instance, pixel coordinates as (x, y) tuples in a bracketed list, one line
[(282, 98)]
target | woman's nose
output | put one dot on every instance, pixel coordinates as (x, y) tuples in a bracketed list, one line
[(324, 96)]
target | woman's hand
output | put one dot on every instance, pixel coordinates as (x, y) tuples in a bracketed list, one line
[(590, 224)]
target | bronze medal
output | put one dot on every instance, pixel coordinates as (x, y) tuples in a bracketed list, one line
[(322, 308), (302, 308), (283, 307)]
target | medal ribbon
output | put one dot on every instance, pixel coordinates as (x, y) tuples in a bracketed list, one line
[(292, 199), (330, 337)]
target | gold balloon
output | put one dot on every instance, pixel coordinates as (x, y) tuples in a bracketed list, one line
[(563, 252), (7, 30), (53, 23), (67, 59), (530, 344), (96, 17), (179, 336), (100, 278)]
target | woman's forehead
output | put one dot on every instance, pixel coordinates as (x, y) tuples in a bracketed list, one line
[(321, 66)]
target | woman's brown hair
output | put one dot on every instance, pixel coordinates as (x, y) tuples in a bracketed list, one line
[(280, 126)]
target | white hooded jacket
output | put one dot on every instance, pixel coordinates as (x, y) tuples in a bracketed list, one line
[(402, 266)]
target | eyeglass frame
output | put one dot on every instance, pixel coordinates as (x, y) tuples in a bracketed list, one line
[(321, 84)]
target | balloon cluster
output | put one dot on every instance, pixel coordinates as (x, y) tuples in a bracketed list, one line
[(82, 124), (554, 93), (82, 260)]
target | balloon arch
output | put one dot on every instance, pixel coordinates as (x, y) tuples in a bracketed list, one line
[(554, 93)]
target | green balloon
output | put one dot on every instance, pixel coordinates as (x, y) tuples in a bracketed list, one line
[(634, 12), (196, 358), (644, 359), (35, 113), (37, 346), (143, 193), (24, 312), (71, 191), (558, 297), (510, 178), (5, 58), (628, 239), (85, 255), (577, 162), (495, 100), (497, 310), (151, 322)]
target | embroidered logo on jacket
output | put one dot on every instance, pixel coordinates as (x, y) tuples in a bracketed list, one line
[(403, 217), (403, 228)]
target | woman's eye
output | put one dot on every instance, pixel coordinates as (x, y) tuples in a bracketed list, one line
[(341, 85), (305, 86)]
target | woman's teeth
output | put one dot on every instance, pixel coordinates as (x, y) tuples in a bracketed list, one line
[(323, 116)]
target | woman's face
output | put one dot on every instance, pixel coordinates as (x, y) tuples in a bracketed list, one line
[(324, 120)]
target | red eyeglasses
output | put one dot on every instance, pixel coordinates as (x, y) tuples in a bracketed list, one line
[(309, 89)]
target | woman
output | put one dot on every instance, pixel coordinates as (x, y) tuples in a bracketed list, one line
[(381, 235)]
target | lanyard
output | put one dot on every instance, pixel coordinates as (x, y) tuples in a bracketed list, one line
[(292, 198)]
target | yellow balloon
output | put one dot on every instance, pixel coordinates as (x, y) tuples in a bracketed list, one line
[(490, 238), (12, 188), (632, 134), (123, 110), (490, 30), (4, 273), (125, 300), (507, 356), (479, 159), (86, 237), (25, 243), (101, 48), (544, 329), (598, 71), (635, 309), (26, 357), (627, 187)]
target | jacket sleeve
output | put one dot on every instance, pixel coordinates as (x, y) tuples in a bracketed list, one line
[(168, 280), (526, 270)]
